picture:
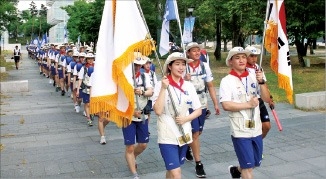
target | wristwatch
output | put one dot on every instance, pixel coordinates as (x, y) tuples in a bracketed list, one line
[(262, 82)]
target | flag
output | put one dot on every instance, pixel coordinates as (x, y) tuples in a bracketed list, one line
[(171, 13), (43, 40), (78, 41), (112, 94), (188, 27), (276, 43), (65, 33)]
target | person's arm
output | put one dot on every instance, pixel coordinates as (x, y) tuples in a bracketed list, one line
[(212, 93), (235, 107), (160, 101), (264, 92)]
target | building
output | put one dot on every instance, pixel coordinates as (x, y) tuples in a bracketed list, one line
[(57, 17)]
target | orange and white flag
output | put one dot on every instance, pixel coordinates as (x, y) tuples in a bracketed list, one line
[(122, 32), (276, 43)]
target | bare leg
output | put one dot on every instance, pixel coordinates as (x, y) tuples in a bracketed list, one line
[(195, 146)]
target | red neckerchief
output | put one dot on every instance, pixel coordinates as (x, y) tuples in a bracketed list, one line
[(175, 84), (193, 66), (89, 65), (147, 71), (137, 74), (62, 53), (244, 74)]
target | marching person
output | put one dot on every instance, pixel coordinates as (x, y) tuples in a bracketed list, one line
[(17, 56), (61, 68), (137, 131), (172, 143), (70, 71), (152, 76), (238, 92), (67, 79), (84, 85), (252, 67), (200, 75), (79, 65)]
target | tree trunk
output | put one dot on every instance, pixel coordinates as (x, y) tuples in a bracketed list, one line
[(301, 51), (217, 52), (225, 49)]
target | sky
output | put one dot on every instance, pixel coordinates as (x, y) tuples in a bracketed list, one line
[(24, 4)]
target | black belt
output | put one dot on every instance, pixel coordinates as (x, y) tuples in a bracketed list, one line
[(200, 92)]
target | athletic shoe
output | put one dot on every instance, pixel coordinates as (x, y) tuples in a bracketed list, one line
[(208, 113), (189, 157), (63, 92), (90, 123), (77, 108), (50, 81), (103, 141), (235, 173), (71, 96), (200, 172), (56, 89), (53, 83), (41, 73), (92, 117), (84, 113)]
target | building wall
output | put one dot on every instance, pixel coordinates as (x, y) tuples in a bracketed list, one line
[(57, 17)]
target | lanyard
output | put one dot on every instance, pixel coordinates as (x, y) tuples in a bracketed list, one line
[(179, 99), (246, 87)]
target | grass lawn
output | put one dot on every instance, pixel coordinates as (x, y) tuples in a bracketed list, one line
[(3, 63)]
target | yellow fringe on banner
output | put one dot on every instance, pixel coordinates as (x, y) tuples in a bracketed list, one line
[(119, 64), (271, 44), (284, 83)]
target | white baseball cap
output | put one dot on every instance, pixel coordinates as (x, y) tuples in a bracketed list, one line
[(253, 50)]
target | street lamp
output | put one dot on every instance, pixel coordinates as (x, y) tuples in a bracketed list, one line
[(190, 10)]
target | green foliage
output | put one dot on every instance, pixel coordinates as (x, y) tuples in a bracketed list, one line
[(8, 13), (85, 19), (33, 10)]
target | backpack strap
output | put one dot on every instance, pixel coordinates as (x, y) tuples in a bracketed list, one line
[(152, 74), (203, 70), (143, 78)]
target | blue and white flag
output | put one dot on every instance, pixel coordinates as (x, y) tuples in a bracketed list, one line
[(78, 41), (171, 13), (43, 40), (65, 40), (187, 29)]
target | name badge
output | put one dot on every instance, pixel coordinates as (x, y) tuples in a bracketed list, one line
[(184, 139), (249, 124)]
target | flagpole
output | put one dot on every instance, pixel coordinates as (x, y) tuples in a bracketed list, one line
[(268, 12), (179, 24), (161, 68)]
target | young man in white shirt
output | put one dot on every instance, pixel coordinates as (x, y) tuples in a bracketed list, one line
[(238, 96)]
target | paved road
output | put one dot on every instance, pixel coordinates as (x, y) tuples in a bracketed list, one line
[(44, 138)]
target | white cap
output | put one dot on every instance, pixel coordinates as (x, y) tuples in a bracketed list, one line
[(253, 50), (192, 45), (235, 51), (139, 58), (172, 57)]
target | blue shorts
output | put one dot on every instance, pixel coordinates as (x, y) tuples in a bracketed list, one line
[(173, 155), (136, 132), (80, 94), (85, 97), (198, 123), (53, 72), (249, 151), (60, 72)]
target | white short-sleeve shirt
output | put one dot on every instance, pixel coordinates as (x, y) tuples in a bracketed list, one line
[(183, 101)]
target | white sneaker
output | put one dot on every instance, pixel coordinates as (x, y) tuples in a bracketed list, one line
[(51, 81), (84, 113), (77, 108), (103, 141)]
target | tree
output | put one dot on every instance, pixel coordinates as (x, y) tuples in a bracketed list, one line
[(33, 9), (305, 21)]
